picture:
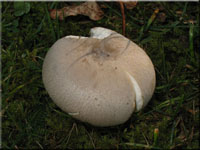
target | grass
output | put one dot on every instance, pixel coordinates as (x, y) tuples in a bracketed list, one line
[(31, 120)]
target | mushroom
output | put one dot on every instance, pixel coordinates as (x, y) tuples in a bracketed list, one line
[(101, 79)]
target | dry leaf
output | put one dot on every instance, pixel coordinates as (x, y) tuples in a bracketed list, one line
[(193, 112), (162, 17), (130, 5), (90, 9), (179, 12)]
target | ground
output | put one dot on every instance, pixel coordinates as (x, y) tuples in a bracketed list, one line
[(30, 119)]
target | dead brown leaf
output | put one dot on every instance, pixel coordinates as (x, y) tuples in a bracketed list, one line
[(182, 136), (161, 17), (90, 9), (130, 5), (179, 12), (193, 112)]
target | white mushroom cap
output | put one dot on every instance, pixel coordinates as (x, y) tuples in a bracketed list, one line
[(100, 79)]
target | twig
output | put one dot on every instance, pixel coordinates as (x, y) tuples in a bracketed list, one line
[(123, 17)]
